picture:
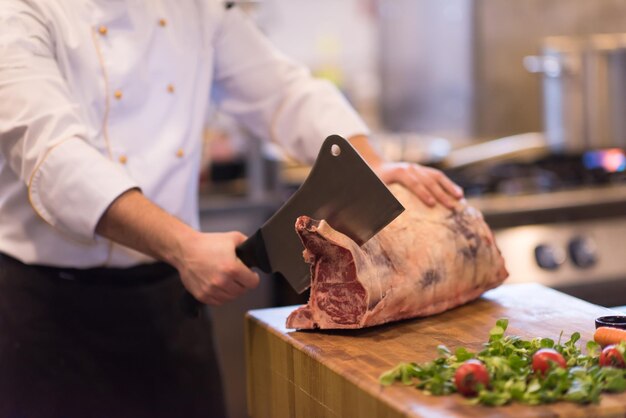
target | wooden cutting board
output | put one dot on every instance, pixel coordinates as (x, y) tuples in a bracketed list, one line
[(334, 374)]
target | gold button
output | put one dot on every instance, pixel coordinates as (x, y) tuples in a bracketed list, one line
[(123, 159), (170, 88), (118, 94), (180, 153), (162, 22), (103, 30)]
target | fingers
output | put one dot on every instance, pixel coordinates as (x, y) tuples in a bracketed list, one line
[(223, 289), (213, 273), (450, 187), (435, 181), (430, 185), (247, 280), (441, 195), (233, 278), (424, 194), (237, 237), (215, 297), (240, 273), (231, 284), (420, 186)]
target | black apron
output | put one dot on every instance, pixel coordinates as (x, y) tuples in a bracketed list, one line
[(102, 343)]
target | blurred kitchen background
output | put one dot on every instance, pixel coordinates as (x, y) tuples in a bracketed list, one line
[(523, 103)]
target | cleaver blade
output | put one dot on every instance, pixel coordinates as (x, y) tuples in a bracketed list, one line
[(342, 189)]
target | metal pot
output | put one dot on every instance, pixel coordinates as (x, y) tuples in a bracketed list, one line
[(584, 91)]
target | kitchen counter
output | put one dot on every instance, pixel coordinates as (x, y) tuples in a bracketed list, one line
[(317, 374), (584, 203)]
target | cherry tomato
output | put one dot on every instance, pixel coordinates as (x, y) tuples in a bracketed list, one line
[(542, 359), (469, 375), (611, 357)]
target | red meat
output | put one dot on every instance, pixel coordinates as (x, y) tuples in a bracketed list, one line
[(426, 261)]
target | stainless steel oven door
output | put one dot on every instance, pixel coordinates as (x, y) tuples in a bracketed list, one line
[(571, 240)]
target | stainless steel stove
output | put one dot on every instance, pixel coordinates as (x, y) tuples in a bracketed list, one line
[(559, 221)]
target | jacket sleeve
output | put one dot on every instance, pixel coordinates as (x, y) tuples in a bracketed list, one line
[(42, 136), (273, 96)]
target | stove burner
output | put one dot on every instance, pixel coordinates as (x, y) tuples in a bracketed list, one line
[(547, 174)]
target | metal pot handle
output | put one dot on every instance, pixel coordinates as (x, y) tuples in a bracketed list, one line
[(515, 147)]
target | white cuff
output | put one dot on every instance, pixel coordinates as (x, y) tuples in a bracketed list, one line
[(74, 185)]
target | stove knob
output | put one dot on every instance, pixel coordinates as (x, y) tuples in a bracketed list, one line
[(549, 257), (583, 252)]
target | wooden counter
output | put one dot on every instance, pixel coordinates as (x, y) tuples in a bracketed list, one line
[(318, 374)]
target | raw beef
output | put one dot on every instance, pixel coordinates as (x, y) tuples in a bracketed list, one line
[(426, 261)]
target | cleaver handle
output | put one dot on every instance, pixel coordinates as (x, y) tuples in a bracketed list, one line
[(251, 252)]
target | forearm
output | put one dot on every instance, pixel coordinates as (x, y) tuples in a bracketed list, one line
[(365, 149), (134, 221), (206, 262)]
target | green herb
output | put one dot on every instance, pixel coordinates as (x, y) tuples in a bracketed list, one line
[(508, 359)]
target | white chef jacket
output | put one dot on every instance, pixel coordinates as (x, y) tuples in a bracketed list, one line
[(101, 96)]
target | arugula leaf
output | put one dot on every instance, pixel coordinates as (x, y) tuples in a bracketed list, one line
[(496, 333), (390, 376), (592, 348), (462, 354), (508, 359), (503, 323), (443, 351)]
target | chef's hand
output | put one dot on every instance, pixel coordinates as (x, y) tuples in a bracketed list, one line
[(207, 263), (429, 184), (211, 271)]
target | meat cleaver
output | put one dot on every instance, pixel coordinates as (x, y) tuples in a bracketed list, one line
[(340, 188)]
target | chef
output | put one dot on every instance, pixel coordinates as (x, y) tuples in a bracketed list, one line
[(101, 112)]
